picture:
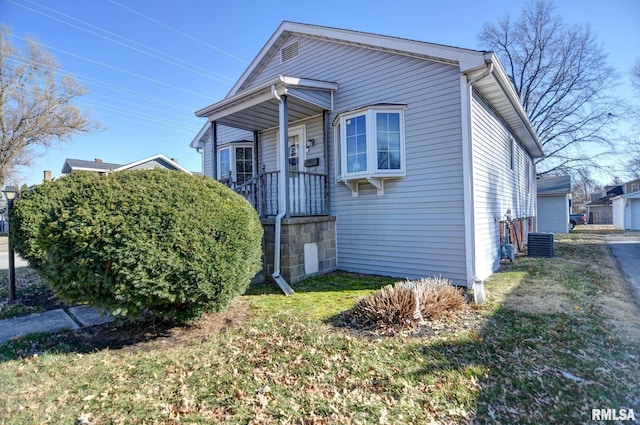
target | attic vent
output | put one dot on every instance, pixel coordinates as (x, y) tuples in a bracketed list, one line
[(289, 52), (541, 245)]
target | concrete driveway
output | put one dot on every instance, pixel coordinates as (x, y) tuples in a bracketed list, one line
[(626, 249)]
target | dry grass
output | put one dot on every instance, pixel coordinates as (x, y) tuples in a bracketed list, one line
[(583, 279), (407, 304), (282, 360)]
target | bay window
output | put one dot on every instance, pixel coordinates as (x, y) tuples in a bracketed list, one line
[(370, 145)]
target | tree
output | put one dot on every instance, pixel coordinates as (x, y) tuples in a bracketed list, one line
[(36, 104), (561, 75), (581, 189), (632, 164)]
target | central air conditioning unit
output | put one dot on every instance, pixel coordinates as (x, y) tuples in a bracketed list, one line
[(540, 245)]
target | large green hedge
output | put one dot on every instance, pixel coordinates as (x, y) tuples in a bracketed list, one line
[(131, 241)]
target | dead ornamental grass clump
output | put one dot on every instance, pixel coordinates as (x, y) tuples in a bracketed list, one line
[(408, 304)]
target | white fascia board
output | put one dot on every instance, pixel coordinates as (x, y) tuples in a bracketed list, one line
[(152, 158), (632, 195), (261, 93), (93, 170), (503, 80), (465, 58), (195, 143), (204, 112), (261, 54), (307, 83)]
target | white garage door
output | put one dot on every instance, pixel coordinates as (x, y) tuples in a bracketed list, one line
[(634, 206)]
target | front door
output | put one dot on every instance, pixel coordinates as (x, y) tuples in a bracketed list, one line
[(296, 157)]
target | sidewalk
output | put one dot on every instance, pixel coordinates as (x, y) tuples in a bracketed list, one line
[(52, 321), (49, 321)]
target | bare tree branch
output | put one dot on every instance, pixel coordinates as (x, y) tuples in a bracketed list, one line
[(561, 76), (36, 105)]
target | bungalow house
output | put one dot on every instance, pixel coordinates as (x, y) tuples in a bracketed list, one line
[(98, 166), (600, 210), (554, 202), (375, 154)]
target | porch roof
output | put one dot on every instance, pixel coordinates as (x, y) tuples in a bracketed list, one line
[(257, 108)]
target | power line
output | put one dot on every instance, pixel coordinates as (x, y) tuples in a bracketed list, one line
[(174, 60), (204, 43), (138, 106), (107, 85), (119, 69), (135, 113)]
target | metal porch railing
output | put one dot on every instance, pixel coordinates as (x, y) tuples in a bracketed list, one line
[(308, 193)]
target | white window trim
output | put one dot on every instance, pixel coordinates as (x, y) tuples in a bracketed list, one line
[(219, 161), (372, 175), (232, 159)]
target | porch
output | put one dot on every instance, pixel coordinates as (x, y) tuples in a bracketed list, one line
[(308, 193), (287, 117)]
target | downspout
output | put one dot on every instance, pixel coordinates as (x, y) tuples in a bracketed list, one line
[(477, 284), (282, 199)]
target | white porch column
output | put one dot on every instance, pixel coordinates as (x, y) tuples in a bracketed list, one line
[(283, 180)]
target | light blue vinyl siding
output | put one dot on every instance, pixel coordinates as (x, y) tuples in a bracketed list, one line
[(497, 188), (225, 136), (416, 228)]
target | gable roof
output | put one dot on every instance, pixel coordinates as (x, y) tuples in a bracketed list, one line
[(604, 201), (551, 185), (489, 78), (82, 165), (154, 161), (97, 166)]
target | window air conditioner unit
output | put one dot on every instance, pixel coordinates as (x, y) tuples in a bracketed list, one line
[(540, 245)]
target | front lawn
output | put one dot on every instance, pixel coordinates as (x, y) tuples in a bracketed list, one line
[(555, 340)]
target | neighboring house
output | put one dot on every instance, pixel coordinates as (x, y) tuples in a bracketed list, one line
[(98, 166), (554, 202), (600, 211), (626, 211), (375, 154)]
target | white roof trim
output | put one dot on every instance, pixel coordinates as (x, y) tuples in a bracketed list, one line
[(152, 158), (196, 142), (95, 170), (261, 93), (631, 195), (465, 58), (503, 80)]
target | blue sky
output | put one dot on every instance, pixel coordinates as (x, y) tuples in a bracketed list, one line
[(149, 65)]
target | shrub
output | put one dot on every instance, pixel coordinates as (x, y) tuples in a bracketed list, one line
[(396, 305), (131, 241)]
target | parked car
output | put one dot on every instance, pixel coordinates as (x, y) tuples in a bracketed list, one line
[(577, 219)]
